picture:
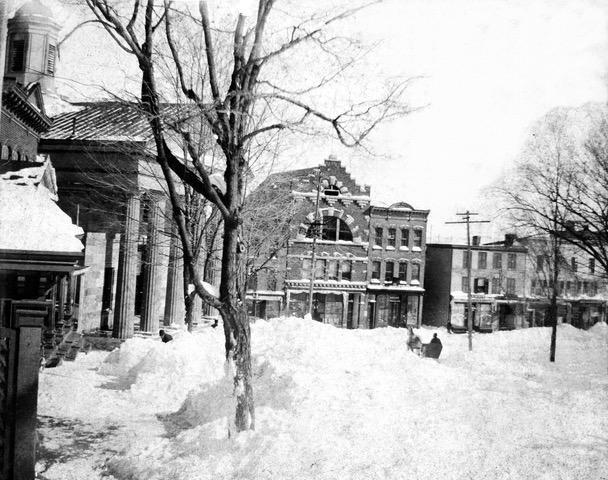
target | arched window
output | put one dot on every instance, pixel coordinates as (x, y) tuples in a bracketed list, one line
[(331, 229)]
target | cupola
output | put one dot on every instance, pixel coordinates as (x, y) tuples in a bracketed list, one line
[(32, 46)]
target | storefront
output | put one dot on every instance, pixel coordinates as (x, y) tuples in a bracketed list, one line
[(398, 306), (339, 307)]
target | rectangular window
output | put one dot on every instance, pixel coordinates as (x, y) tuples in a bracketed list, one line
[(573, 264), (418, 238), (481, 285), (17, 54), (405, 237), (320, 269), (540, 263), (306, 268), (375, 270), (586, 288), (465, 284), (347, 269), (378, 236), (592, 265), (511, 261), (561, 287), (388, 272), (593, 287), (482, 260), (403, 272), (415, 272), (496, 285), (510, 286), (466, 259), (392, 237), (568, 286), (332, 270), (497, 260)]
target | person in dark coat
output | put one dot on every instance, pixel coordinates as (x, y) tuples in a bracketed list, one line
[(165, 337), (435, 339)]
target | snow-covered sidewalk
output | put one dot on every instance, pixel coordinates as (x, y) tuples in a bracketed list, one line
[(333, 404)]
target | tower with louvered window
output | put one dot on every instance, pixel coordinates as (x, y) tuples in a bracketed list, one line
[(32, 46)]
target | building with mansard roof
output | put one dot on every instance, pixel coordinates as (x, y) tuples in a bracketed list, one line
[(365, 263)]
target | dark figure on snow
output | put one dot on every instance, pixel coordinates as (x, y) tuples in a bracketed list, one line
[(449, 326), (435, 339), (165, 337)]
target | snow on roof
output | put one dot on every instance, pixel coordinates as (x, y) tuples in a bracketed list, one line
[(31, 221)]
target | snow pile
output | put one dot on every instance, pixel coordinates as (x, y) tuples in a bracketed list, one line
[(31, 220), (334, 403), (161, 375)]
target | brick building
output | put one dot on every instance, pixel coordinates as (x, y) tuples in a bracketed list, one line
[(499, 285), (367, 262)]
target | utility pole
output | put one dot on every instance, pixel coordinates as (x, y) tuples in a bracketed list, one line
[(315, 232), (466, 218)]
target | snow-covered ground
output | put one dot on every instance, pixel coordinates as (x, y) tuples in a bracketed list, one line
[(333, 404)]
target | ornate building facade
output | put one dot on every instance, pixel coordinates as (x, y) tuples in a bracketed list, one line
[(365, 263)]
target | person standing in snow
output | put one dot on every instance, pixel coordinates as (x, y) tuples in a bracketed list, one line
[(165, 337), (435, 339)]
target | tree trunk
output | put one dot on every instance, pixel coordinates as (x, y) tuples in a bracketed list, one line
[(188, 300), (236, 330), (553, 308)]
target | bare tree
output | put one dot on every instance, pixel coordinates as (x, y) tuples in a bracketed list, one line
[(531, 195), (242, 107)]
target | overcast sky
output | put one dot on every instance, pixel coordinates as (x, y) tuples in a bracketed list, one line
[(489, 69)]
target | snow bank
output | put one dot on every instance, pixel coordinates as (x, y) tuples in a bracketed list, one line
[(162, 374), (334, 403)]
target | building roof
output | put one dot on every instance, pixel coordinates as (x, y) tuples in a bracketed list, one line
[(26, 103), (108, 122), (31, 221), (33, 8)]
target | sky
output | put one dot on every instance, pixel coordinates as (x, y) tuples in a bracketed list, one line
[(487, 69)]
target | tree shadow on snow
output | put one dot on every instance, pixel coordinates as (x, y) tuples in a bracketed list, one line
[(215, 401), (68, 439)]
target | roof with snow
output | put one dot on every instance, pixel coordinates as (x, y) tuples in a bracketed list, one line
[(30, 173), (31, 221), (108, 121)]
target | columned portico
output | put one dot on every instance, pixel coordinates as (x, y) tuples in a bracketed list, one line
[(127, 265), (155, 268), (174, 303)]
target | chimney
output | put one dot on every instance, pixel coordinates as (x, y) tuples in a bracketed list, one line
[(476, 240), (509, 239)]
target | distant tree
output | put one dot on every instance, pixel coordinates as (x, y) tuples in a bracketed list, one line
[(244, 87), (531, 196)]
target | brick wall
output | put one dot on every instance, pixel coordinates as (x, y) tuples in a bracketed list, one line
[(17, 136)]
